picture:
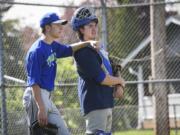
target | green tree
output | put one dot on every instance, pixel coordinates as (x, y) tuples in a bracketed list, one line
[(13, 50), (66, 91), (127, 27)]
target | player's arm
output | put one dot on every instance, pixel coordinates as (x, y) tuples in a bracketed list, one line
[(90, 65), (42, 114), (112, 80), (79, 45), (33, 66)]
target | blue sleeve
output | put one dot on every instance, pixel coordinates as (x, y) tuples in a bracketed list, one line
[(33, 67), (63, 50), (89, 64)]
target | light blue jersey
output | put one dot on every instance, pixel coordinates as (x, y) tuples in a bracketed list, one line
[(41, 63)]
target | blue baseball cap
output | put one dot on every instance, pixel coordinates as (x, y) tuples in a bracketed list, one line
[(51, 18)]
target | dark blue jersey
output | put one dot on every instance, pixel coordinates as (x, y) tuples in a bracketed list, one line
[(92, 68), (41, 63)]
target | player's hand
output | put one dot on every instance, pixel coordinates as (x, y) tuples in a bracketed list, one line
[(95, 44), (42, 117), (122, 82), (118, 92)]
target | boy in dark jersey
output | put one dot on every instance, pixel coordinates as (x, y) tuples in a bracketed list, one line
[(95, 88)]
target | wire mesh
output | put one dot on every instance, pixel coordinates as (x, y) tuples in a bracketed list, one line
[(129, 42)]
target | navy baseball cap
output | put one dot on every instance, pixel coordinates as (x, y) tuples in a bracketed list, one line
[(51, 18)]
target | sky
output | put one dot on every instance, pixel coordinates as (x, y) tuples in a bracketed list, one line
[(30, 15)]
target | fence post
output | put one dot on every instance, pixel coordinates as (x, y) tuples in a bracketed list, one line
[(158, 67), (2, 88), (104, 24), (140, 98), (139, 75), (175, 119)]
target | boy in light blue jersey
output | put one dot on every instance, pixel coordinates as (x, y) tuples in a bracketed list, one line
[(41, 58), (41, 72)]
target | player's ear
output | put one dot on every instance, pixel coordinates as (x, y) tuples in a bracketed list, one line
[(47, 28)]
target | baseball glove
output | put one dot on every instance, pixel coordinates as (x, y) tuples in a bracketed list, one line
[(49, 129), (116, 68)]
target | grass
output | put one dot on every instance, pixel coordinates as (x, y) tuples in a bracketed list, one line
[(135, 132), (142, 132)]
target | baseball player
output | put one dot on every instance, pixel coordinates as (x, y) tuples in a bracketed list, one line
[(41, 71), (96, 81)]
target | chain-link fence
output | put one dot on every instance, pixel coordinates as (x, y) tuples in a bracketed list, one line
[(142, 36)]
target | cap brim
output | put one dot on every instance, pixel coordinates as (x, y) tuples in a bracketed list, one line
[(62, 22)]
